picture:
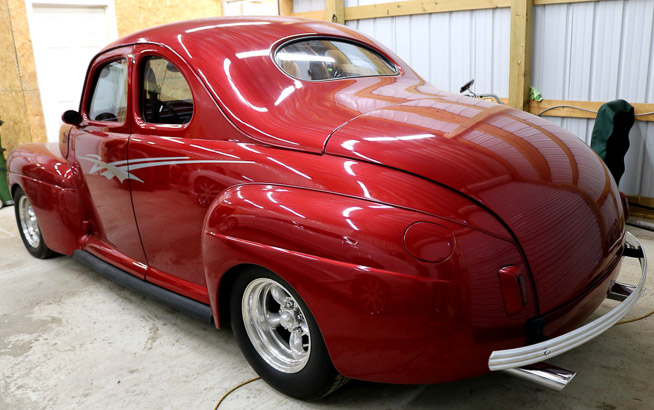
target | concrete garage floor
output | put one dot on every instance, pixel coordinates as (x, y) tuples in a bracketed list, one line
[(70, 338)]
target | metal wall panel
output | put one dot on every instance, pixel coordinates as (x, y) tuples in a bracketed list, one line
[(600, 51), (595, 51), (448, 49), (308, 5)]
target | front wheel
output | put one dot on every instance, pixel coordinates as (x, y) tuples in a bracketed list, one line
[(279, 336), (28, 226)]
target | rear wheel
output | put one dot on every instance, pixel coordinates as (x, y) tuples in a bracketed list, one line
[(279, 336), (28, 226)]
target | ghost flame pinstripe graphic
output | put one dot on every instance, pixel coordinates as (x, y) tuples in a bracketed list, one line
[(121, 169)]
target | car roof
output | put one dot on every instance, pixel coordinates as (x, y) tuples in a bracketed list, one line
[(265, 29), (233, 57)]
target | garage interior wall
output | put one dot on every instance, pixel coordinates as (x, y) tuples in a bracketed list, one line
[(20, 100), (134, 15), (583, 51), (600, 51)]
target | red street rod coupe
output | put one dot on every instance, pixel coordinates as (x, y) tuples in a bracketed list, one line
[(296, 179)]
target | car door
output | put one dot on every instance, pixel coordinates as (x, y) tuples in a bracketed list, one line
[(99, 152), (181, 156)]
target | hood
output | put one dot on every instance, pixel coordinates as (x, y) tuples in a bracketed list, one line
[(548, 186)]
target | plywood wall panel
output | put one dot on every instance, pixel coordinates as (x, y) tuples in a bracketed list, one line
[(23, 44), (9, 80), (133, 16), (16, 127), (20, 103)]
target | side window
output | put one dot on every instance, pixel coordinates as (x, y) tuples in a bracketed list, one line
[(109, 101), (165, 96)]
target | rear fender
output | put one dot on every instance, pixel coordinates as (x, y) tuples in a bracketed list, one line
[(346, 258)]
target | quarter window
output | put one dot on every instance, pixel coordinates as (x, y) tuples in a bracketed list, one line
[(165, 96), (109, 101), (324, 59)]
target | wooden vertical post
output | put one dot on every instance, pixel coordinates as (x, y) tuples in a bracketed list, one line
[(520, 58), (335, 11), (285, 7)]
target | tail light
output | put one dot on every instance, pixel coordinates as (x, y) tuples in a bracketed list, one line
[(625, 205), (514, 289)]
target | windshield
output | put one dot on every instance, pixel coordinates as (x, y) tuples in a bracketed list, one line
[(323, 59)]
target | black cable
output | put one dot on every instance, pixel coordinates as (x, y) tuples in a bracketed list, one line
[(641, 206), (641, 226)]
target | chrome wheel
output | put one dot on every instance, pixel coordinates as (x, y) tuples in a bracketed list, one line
[(276, 325), (28, 223)]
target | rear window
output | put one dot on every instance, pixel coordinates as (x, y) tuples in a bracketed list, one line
[(325, 59)]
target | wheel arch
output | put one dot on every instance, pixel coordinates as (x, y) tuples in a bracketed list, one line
[(225, 286), (346, 259), (59, 212), (13, 188)]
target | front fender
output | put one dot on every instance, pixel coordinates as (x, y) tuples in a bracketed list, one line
[(380, 310), (49, 183), (41, 162)]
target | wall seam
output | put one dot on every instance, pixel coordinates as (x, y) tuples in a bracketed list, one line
[(20, 74), (650, 65), (621, 52)]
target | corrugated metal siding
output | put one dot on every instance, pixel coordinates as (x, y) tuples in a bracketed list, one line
[(596, 51), (308, 5), (448, 49), (600, 51)]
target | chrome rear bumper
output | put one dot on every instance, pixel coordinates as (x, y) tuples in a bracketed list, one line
[(523, 356)]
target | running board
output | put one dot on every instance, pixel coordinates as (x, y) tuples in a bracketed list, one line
[(544, 374), (176, 301)]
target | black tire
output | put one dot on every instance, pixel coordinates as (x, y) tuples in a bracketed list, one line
[(35, 244), (318, 377)]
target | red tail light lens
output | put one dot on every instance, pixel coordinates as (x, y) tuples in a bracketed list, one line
[(625, 205), (514, 289)]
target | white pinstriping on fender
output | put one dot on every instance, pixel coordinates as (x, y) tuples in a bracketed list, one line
[(119, 169)]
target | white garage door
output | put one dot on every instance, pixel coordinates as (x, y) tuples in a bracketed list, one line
[(65, 38)]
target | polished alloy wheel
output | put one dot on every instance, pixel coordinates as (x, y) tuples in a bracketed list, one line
[(276, 325), (28, 222)]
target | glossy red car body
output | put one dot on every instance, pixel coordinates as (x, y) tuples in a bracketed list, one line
[(390, 206)]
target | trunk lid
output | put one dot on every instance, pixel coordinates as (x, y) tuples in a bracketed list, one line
[(547, 185)]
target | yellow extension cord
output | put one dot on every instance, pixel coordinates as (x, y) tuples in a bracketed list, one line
[(233, 389), (257, 378), (636, 318), (619, 323)]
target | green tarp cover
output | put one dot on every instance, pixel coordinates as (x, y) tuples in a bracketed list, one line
[(610, 138), (4, 189)]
